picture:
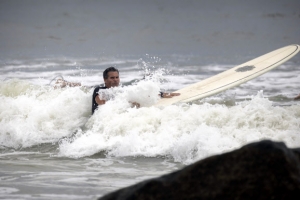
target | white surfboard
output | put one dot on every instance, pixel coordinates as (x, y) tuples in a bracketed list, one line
[(232, 77)]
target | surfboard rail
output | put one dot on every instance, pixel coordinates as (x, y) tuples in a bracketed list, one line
[(233, 77)]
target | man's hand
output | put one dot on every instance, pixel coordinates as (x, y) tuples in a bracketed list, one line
[(297, 97), (62, 83), (169, 95), (99, 101)]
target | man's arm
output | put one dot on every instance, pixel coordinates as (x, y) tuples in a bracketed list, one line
[(101, 102), (297, 97), (168, 95)]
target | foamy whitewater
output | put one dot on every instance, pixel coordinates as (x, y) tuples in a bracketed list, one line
[(51, 142)]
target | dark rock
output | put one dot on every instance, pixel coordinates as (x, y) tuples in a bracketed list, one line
[(262, 170)]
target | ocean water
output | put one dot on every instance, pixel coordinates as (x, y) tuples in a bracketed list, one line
[(50, 144), (52, 147)]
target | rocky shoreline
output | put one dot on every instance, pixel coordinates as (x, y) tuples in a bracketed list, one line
[(261, 170)]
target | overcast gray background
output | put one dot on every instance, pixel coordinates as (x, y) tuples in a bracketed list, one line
[(212, 28)]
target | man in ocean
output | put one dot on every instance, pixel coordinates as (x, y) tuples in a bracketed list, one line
[(111, 79)]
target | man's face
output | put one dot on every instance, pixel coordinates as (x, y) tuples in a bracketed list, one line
[(113, 80)]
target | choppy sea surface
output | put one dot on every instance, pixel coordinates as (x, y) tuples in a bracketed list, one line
[(52, 147)]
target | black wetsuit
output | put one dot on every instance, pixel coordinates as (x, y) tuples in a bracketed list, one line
[(95, 105), (96, 90)]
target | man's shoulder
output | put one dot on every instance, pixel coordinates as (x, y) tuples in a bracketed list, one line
[(97, 88), (100, 87)]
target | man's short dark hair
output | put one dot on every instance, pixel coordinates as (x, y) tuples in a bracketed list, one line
[(110, 69)]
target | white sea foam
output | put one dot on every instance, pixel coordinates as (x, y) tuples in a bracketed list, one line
[(186, 133), (32, 114)]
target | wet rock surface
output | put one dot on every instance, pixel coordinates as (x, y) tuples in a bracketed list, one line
[(261, 170)]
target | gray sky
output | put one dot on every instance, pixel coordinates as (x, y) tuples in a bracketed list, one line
[(89, 28)]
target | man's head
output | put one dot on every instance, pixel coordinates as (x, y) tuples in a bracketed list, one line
[(111, 77)]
